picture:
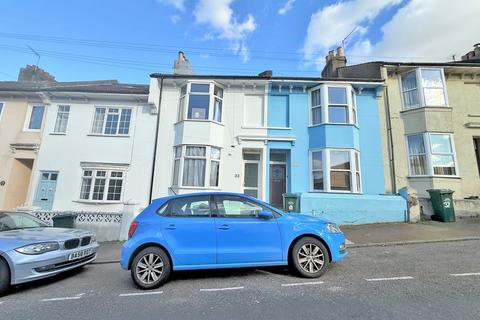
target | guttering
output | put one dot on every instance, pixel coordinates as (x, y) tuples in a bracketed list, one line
[(152, 178)]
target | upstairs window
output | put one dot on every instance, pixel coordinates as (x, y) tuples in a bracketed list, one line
[(111, 121), (333, 104), (431, 154), (1, 109), (423, 87), (62, 119), (36, 117), (201, 101)]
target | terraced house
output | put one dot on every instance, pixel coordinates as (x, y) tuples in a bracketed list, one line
[(430, 125), (265, 136), (76, 146)]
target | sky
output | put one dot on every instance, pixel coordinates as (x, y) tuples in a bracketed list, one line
[(127, 40)]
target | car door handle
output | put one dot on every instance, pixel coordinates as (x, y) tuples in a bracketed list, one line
[(224, 227), (171, 227)]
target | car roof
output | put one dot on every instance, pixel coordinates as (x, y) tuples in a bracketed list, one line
[(203, 194)]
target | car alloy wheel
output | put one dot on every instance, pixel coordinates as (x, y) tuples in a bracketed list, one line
[(311, 258), (150, 268)]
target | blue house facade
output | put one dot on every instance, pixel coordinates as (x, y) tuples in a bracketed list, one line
[(325, 145)]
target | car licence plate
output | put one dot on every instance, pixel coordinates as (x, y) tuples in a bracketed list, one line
[(79, 254)]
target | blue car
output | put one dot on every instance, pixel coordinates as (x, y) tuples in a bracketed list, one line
[(225, 230), (32, 250)]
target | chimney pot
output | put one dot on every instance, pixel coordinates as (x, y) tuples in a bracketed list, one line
[(340, 51)]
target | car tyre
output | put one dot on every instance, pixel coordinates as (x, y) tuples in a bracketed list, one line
[(4, 277), (150, 268), (310, 257)]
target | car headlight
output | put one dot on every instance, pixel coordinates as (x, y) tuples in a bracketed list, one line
[(333, 228), (93, 239), (39, 248)]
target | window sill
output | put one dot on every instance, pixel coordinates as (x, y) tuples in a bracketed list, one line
[(279, 128), (196, 188), (259, 128), (334, 124), (97, 202), (200, 120), (434, 176), (58, 133), (336, 192), (426, 107), (108, 135)]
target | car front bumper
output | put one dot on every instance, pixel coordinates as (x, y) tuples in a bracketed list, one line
[(27, 268)]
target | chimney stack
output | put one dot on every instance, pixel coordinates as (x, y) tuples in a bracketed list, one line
[(474, 55), (333, 61), (32, 73), (182, 65)]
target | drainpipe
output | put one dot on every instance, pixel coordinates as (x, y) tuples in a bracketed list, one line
[(391, 153), (156, 141)]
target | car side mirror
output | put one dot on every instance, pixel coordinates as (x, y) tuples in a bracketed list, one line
[(265, 214)]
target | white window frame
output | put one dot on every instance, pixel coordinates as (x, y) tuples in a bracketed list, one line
[(108, 177), (2, 109), (420, 89), (354, 156), (107, 108), (57, 118), (324, 99), (182, 114), (208, 160), (428, 150), (28, 117)]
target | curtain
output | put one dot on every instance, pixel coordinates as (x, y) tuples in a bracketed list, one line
[(194, 172)]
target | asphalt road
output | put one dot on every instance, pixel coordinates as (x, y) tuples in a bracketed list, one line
[(421, 281)]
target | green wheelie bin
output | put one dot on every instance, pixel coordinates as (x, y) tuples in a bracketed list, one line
[(442, 203)]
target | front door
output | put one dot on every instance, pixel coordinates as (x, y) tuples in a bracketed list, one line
[(251, 171), (47, 184), (242, 237), (189, 230), (476, 145)]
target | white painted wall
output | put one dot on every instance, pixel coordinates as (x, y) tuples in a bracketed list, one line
[(64, 153), (224, 136)]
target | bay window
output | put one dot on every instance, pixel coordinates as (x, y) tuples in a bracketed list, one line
[(333, 104), (193, 164), (431, 154), (335, 170), (101, 184), (200, 101), (423, 87)]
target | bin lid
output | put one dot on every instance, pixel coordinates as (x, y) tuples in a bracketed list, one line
[(66, 215), (441, 191), (292, 194)]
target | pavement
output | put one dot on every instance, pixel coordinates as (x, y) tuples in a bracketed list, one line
[(368, 235), (428, 281)]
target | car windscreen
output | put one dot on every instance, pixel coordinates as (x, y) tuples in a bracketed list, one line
[(16, 220)]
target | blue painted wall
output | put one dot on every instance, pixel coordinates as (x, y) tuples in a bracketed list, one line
[(369, 207)]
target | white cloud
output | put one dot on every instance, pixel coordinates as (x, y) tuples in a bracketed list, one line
[(219, 15), (286, 7), (329, 25), (175, 18), (421, 30), (177, 4), (424, 30)]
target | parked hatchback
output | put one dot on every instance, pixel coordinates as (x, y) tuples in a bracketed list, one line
[(225, 230)]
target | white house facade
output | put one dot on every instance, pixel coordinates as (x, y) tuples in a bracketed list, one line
[(98, 148), (213, 135)]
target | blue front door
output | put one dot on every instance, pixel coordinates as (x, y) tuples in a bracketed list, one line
[(189, 230), (242, 237), (47, 184)]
